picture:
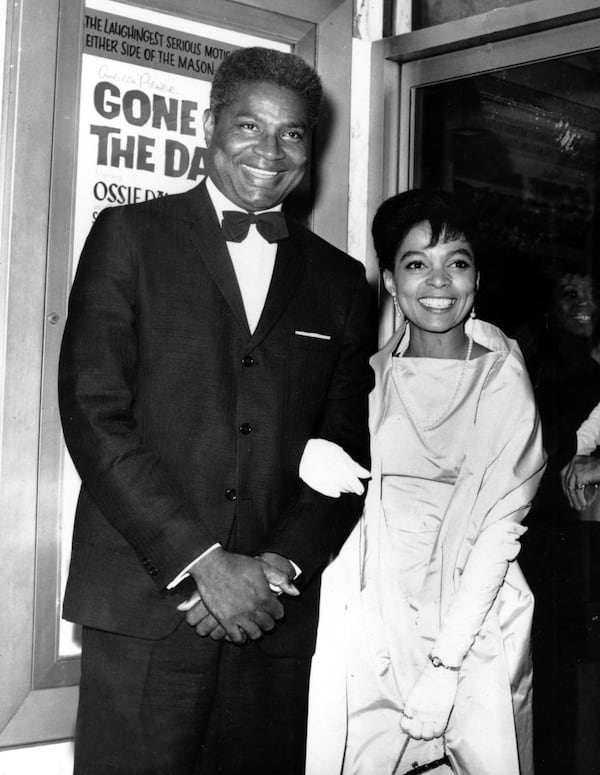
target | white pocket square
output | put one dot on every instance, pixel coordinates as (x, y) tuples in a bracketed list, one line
[(312, 334)]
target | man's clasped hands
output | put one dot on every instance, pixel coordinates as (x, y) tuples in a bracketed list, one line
[(236, 596)]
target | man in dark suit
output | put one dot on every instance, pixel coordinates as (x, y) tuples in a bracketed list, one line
[(201, 357)]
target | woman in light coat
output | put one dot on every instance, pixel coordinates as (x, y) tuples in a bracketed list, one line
[(423, 649)]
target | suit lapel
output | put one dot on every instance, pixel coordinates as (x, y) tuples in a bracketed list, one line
[(206, 235), (290, 265)]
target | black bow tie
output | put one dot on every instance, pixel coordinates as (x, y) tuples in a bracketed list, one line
[(271, 226)]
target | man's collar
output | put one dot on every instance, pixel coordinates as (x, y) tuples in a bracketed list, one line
[(221, 202)]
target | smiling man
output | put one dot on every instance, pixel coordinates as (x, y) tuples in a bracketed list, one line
[(258, 145), (208, 340)]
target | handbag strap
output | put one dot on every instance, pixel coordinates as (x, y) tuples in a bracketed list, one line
[(402, 752)]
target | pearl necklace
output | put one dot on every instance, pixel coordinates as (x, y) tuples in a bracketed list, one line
[(444, 415)]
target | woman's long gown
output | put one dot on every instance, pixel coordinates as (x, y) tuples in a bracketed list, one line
[(419, 469), (429, 565)]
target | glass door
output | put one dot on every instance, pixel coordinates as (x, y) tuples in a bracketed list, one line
[(514, 129), (521, 145)]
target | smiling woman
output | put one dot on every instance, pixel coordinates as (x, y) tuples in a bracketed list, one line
[(426, 590), (428, 261), (574, 307), (434, 283)]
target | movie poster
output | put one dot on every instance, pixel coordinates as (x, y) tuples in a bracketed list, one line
[(145, 83)]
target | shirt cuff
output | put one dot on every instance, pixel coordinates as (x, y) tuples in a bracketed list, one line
[(186, 571), (586, 443), (297, 569)]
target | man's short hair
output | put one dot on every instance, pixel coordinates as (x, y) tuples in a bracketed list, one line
[(248, 65)]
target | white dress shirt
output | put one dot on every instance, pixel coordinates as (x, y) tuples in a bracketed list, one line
[(253, 259)]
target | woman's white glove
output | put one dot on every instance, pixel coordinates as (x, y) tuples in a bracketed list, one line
[(429, 703), (495, 548), (329, 470)]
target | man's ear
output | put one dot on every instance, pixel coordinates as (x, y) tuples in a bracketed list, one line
[(208, 121)]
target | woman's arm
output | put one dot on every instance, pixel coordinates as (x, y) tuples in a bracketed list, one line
[(432, 698)]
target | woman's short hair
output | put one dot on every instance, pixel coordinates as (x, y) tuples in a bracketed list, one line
[(447, 215), (250, 65)]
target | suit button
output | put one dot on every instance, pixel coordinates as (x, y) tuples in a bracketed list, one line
[(247, 360), (245, 428), (153, 572), (145, 562), (231, 495)]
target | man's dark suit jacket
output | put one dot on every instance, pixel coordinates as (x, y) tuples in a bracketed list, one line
[(186, 429)]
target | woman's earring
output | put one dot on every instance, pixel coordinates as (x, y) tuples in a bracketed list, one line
[(397, 305), (472, 313)]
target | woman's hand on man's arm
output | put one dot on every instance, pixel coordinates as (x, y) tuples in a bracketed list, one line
[(328, 469)]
